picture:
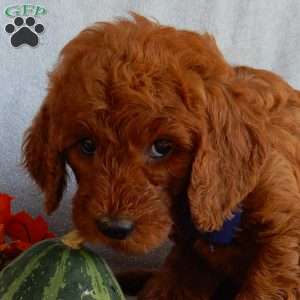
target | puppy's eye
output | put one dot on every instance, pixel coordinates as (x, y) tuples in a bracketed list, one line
[(161, 148), (87, 146)]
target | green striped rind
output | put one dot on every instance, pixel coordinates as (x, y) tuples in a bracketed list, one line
[(108, 278), (14, 273), (56, 282), (80, 284), (52, 271), (32, 286)]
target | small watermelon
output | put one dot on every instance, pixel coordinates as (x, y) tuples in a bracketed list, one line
[(51, 270)]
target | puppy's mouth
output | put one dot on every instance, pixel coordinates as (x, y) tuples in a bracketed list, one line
[(132, 236), (134, 230)]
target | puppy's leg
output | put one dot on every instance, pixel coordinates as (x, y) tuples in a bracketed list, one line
[(183, 277), (275, 272)]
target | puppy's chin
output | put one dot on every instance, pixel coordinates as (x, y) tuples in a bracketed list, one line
[(145, 237)]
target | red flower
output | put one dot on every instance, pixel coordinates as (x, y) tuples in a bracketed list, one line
[(21, 228), (2, 234), (5, 208)]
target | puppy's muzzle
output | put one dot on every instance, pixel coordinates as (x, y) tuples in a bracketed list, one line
[(115, 228)]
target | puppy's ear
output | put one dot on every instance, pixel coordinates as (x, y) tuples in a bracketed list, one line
[(42, 159), (233, 150)]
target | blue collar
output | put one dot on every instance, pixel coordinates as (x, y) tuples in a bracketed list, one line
[(226, 234)]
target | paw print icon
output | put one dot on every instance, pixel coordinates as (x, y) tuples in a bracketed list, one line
[(24, 32)]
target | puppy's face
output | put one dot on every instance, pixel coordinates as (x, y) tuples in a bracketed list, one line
[(131, 153)]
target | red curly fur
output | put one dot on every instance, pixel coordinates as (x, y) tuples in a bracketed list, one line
[(237, 137)]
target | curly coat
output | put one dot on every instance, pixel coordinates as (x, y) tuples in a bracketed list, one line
[(237, 135)]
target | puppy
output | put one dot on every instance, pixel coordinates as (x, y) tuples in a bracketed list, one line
[(166, 139)]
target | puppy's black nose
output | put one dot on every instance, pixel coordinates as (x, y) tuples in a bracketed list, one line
[(115, 228)]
